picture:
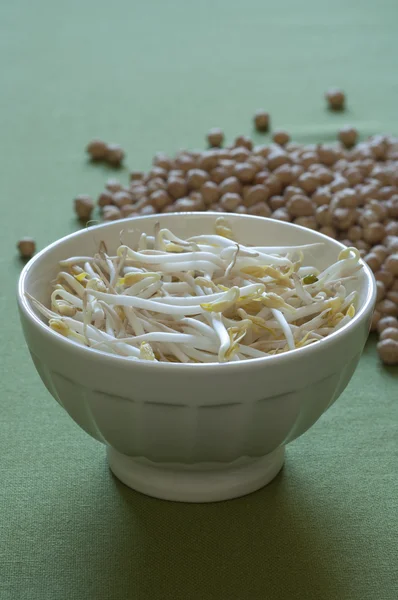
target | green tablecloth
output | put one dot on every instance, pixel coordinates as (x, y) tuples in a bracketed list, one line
[(156, 75)]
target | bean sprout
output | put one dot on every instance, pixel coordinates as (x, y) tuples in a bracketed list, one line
[(204, 299)]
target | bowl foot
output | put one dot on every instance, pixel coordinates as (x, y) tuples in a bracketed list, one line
[(205, 482)]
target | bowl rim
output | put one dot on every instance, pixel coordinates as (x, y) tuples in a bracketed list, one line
[(27, 310)]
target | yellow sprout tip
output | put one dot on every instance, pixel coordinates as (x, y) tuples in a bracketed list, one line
[(59, 326)]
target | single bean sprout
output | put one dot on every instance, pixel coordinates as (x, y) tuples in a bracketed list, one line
[(203, 299)]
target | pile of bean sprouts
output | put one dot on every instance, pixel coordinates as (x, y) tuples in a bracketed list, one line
[(204, 299)]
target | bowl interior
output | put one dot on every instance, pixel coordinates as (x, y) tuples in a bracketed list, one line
[(39, 273)]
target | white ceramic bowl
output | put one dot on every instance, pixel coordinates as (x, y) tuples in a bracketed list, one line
[(193, 432)]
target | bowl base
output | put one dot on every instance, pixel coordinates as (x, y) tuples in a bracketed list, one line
[(206, 482)]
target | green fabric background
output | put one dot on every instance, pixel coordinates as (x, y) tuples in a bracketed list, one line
[(156, 75)]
